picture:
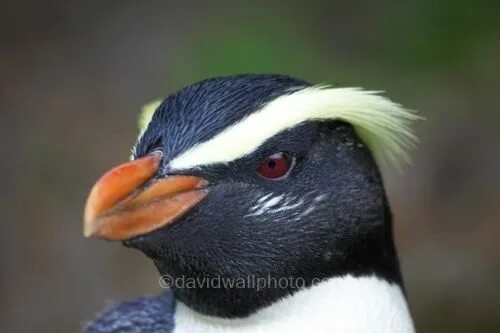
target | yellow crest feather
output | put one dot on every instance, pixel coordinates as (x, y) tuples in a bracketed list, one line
[(146, 114), (382, 124)]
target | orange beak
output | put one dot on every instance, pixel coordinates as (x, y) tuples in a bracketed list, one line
[(126, 202)]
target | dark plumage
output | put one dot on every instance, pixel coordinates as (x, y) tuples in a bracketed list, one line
[(146, 314), (332, 220), (200, 111)]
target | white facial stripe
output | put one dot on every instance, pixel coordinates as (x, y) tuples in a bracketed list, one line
[(272, 205), (382, 125)]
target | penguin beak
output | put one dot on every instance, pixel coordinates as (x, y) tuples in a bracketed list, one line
[(127, 201)]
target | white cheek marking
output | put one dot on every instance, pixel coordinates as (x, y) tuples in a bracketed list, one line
[(289, 206), (264, 198), (315, 204), (272, 202), (284, 203), (338, 305), (259, 203), (264, 205), (308, 211), (321, 197)]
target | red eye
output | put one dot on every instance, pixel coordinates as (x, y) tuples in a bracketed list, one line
[(276, 165)]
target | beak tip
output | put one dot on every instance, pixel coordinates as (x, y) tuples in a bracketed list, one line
[(113, 187), (87, 229), (89, 224)]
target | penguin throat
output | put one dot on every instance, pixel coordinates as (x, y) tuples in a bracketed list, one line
[(340, 304)]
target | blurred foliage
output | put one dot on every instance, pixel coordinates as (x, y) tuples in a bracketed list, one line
[(74, 75), (407, 37), (266, 45)]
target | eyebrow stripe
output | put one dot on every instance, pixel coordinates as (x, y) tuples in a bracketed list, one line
[(382, 124)]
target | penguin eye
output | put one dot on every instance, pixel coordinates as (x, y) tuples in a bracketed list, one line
[(276, 166)]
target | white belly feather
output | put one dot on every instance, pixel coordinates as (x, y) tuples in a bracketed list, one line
[(342, 304)]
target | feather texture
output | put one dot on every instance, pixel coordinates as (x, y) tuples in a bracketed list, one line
[(382, 124), (146, 115)]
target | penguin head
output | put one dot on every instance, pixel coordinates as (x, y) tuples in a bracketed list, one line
[(262, 180)]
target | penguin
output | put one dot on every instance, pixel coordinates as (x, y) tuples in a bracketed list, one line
[(259, 199)]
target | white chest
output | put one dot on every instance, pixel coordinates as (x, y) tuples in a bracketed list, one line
[(342, 304)]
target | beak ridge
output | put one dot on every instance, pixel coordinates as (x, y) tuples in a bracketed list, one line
[(125, 202)]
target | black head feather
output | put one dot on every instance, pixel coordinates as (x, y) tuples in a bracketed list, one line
[(332, 217), (200, 111)]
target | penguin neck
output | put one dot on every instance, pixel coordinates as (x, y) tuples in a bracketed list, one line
[(339, 304)]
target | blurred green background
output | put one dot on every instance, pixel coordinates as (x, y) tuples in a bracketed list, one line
[(73, 75)]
